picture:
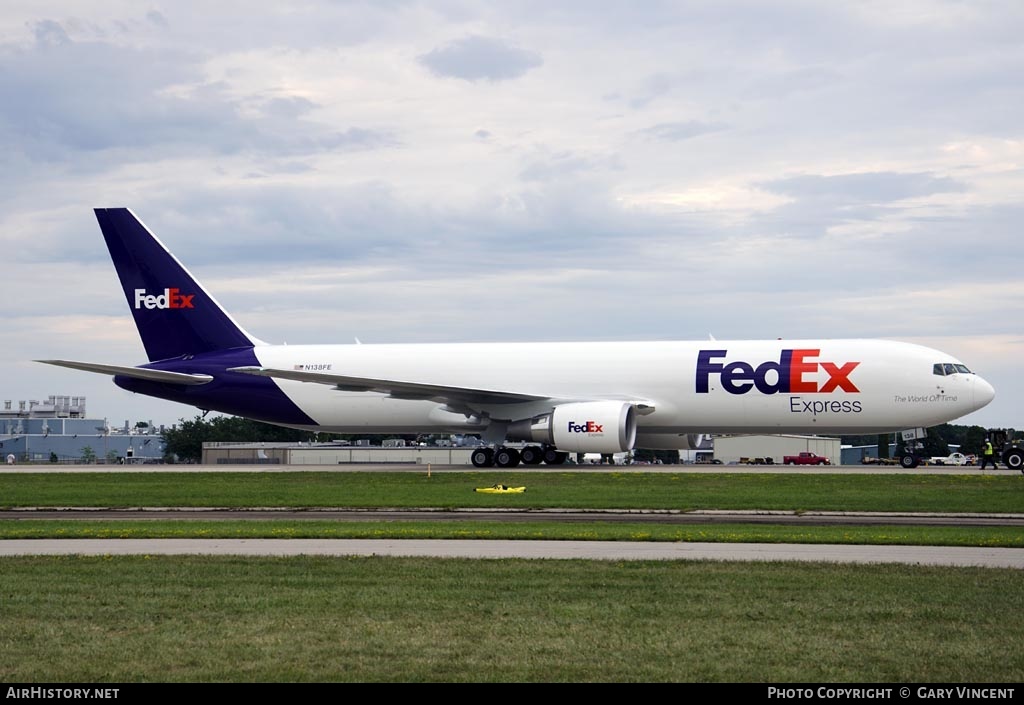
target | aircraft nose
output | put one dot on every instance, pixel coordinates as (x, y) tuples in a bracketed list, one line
[(983, 392)]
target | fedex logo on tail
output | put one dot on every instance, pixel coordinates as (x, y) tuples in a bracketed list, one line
[(171, 298), (796, 371)]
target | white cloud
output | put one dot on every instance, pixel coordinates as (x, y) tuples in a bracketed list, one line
[(480, 59)]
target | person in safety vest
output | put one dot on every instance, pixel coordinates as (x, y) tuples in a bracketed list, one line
[(988, 455)]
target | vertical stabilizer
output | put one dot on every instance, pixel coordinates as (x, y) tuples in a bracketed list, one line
[(173, 312)]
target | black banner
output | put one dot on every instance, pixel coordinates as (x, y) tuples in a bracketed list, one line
[(890, 692)]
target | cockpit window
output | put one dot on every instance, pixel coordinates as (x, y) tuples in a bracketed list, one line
[(949, 368)]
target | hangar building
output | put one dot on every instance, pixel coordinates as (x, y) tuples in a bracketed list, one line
[(739, 449), (269, 453)]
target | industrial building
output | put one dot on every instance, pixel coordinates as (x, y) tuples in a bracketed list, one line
[(331, 454), (59, 430), (741, 449)]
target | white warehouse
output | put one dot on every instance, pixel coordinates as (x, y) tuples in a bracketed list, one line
[(738, 449)]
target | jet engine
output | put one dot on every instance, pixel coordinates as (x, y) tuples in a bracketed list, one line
[(669, 441), (581, 427)]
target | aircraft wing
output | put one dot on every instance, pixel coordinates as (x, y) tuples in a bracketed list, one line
[(395, 388), (134, 372)]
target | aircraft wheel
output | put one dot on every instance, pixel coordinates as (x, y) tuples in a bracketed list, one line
[(531, 455), (506, 458), (908, 461), (551, 456), (1014, 459), (482, 457)]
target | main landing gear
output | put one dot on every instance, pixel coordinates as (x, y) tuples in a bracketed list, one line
[(503, 457)]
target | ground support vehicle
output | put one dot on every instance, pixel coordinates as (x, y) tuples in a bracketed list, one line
[(805, 458), (951, 459), (1007, 450), (868, 460)]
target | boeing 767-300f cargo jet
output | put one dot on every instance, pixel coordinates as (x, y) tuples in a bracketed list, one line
[(558, 398)]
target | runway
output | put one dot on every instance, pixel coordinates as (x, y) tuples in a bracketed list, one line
[(570, 467)]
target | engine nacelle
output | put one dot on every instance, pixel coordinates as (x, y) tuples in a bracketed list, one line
[(456, 421), (669, 441), (581, 427)]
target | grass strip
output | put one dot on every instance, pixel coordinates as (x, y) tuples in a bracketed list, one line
[(979, 536)]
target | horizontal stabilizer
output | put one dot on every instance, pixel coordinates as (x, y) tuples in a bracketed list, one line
[(134, 372), (395, 388)]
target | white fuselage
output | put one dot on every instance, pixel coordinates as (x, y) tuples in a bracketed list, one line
[(819, 386)]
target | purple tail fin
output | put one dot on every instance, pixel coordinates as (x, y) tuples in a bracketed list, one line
[(174, 314)]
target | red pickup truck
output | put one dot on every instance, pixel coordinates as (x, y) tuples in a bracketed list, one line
[(805, 458)]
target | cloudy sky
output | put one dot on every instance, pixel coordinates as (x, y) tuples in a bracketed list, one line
[(402, 171)]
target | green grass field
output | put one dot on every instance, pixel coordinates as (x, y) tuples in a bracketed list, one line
[(564, 490), (378, 619), (373, 619)]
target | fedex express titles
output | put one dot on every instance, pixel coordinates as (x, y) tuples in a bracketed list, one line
[(795, 372)]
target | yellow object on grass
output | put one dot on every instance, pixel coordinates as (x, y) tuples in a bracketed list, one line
[(500, 489)]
